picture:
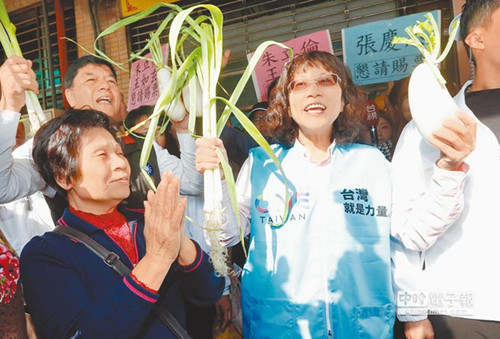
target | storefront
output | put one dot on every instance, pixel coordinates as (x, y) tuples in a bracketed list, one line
[(40, 25)]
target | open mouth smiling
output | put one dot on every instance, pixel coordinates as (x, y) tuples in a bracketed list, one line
[(315, 108), (105, 100)]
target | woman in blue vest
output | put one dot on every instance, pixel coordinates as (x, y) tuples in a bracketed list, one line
[(322, 268)]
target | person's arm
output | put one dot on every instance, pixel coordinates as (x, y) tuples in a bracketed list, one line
[(164, 234), (410, 291), (197, 280), (168, 246), (206, 158), (409, 286), (427, 199), (185, 167), (18, 175)]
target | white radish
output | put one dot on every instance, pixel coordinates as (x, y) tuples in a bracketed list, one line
[(175, 110), (430, 102), (192, 97)]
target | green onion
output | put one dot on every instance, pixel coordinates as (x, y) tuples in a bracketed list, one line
[(200, 70)]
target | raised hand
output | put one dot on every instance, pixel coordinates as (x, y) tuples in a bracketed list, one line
[(206, 156), (181, 126), (164, 221), (16, 76), (456, 139)]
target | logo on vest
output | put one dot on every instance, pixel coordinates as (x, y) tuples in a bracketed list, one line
[(261, 204), (276, 215)]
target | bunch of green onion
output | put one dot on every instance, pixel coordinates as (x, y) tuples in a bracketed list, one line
[(199, 72)]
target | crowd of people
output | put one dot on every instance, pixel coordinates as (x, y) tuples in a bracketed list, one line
[(348, 241)]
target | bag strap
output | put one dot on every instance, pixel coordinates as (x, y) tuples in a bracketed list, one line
[(110, 258), (113, 260)]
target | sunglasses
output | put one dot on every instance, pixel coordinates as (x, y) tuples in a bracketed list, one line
[(323, 81)]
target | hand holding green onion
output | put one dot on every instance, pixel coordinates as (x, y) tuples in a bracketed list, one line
[(11, 47), (206, 155), (191, 74), (16, 77)]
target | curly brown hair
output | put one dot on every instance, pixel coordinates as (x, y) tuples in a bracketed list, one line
[(346, 127)]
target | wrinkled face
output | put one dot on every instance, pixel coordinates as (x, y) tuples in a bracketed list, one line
[(384, 130), (315, 98), (104, 173), (94, 86)]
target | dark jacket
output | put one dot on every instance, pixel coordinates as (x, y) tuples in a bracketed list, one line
[(70, 292)]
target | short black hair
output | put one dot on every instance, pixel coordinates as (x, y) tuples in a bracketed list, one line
[(136, 113), (73, 69), (474, 14), (55, 145)]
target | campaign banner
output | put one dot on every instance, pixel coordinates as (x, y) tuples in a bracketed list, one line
[(143, 85), (370, 54), (273, 59)]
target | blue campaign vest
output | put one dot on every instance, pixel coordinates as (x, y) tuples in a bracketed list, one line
[(327, 266)]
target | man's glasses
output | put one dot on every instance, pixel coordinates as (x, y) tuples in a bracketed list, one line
[(259, 118), (323, 81), (253, 114)]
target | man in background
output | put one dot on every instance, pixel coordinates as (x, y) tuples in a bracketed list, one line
[(444, 220)]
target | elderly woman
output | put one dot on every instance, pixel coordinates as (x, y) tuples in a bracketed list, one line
[(69, 290), (323, 269)]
